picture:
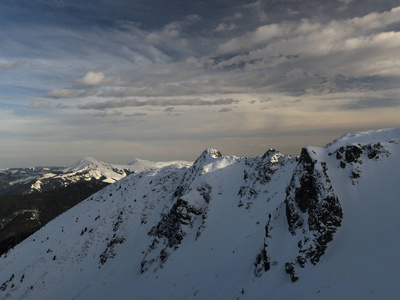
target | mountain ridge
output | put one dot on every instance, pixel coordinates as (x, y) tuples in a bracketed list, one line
[(318, 225), (37, 179)]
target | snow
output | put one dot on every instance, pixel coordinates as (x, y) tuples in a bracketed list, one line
[(233, 197), (89, 168), (139, 165)]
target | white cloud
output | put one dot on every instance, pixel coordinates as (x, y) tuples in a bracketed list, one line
[(333, 32), (351, 48), (173, 29), (92, 78), (98, 78), (261, 35), (375, 20)]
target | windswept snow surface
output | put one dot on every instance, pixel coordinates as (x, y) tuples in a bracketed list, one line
[(228, 227)]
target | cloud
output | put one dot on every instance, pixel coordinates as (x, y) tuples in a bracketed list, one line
[(69, 93), (44, 104), (119, 117), (98, 78), (342, 64), (258, 8), (368, 103), (7, 98), (126, 24), (62, 106), (334, 32), (225, 109), (226, 27), (153, 102), (234, 17), (192, 19), (261, 35), (174, 29), (136, 115), (87, 86), (92, 78), (12, 66), (305, 55), (108, 113), (346, 2)]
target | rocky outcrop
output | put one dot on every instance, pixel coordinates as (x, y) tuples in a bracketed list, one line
[(190, 202), (313, 214), (312, 209), (351, 157)]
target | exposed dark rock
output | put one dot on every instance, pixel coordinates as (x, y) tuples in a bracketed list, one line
[(170, 226), (289, 268), (205, 190), (352, 153), (311, 192), (110, 252), (262, 263)]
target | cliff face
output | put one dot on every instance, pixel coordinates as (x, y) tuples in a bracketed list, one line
[(227, 227)]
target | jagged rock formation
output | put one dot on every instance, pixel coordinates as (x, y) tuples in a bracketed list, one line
[(312, 208)]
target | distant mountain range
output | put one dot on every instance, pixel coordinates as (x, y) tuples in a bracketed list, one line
[(39, 179), (322, 225)]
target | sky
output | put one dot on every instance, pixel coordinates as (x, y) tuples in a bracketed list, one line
[(163, 80)]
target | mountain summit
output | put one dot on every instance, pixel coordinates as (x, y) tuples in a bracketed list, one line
[(321, 225)]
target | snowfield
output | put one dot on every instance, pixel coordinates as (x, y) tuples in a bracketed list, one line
[(323, 225)]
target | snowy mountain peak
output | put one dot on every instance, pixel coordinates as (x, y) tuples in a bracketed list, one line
[(214, 153), (136, 161), (84, 163), (207, 155)]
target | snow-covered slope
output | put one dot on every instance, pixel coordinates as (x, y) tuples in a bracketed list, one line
[(319, 226)]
